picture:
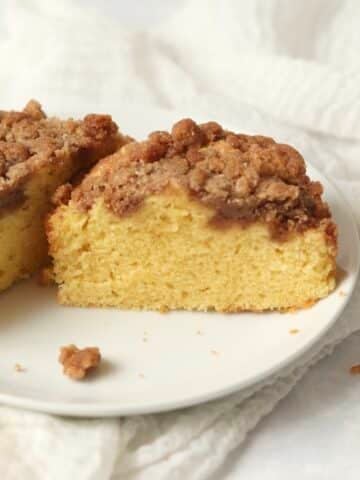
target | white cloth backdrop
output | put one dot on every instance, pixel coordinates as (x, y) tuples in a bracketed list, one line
[(287, 69)]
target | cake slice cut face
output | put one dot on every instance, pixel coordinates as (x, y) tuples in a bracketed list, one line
[(196, 219), (37, 154)]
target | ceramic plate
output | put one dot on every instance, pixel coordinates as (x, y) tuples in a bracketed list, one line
[(155, 362)]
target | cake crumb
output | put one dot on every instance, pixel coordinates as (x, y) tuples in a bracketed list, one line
[(77, 362), (199, 332), (294, 331), (164, 309), (141, 375), (342, 293), (355, 370), (215, 353), (309, 304), (19, 368), (291, 310)]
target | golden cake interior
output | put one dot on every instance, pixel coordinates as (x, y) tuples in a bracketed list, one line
[(37, 155), (165, 256), (173, 240)]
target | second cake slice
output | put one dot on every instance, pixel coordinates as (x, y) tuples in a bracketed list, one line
[(37, 154)]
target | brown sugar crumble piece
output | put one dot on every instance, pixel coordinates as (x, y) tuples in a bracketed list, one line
[(294, 331), (355, 370), (19, 368), (78, 362)]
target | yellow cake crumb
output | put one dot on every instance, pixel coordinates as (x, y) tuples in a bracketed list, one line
[(294, 331)]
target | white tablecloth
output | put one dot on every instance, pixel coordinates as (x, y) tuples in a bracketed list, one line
[(287, 69)]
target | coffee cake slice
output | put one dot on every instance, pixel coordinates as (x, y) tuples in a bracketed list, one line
[(197, 219), (37, 154)]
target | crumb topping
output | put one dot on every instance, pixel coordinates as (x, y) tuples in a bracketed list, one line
[(242, 177), (29, 139), (77, 362)]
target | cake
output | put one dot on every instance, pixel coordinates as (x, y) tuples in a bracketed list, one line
[(37, 154), (197, 219)]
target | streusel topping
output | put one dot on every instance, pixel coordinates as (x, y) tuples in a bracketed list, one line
[(29, 139), (242, 177)]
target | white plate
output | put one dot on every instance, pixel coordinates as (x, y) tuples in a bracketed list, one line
[(188, 357)]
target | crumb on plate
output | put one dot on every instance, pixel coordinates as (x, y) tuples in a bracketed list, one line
[(294, 331), (77, 362), (19, 368), (355, 370)]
